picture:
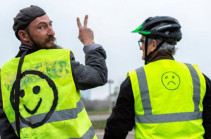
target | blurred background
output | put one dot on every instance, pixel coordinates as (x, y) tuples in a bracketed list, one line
[(112, 22)]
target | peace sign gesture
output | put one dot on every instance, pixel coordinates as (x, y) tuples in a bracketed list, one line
[(86, 35)]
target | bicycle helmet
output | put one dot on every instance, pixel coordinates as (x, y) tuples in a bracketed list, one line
[(164, 27)]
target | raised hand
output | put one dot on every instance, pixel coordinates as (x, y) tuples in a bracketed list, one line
[(86, 35)]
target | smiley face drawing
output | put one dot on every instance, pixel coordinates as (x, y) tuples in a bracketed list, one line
[(36, 90), (170, 80), (38, 95)]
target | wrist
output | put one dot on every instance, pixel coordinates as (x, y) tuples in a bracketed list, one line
[(90, 47), (88, 43)]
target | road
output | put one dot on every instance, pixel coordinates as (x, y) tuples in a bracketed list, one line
[(101, 133)]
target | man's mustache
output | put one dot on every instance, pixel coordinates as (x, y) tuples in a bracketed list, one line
[(54, 46), (50, 38)]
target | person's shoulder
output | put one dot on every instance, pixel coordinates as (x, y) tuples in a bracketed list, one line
[(137, 68), (207, 79), (126, 83)]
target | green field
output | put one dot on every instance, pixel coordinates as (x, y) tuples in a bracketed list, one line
[(98, 112), (99, 124)]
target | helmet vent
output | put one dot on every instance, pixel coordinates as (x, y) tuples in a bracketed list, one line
[(163, 27)]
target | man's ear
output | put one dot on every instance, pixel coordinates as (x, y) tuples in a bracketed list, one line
[(23, 35), (154, 45)]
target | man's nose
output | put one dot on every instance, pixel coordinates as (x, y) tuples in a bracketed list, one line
[(141, 48), (51, 31)]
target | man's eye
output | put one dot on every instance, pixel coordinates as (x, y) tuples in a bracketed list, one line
[(41, 27)]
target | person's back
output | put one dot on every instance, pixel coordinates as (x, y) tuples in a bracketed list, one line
[(168, 98), (48, 97), (165, 98)]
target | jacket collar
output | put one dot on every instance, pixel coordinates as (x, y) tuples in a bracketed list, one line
[(24, 47), (158, 56)]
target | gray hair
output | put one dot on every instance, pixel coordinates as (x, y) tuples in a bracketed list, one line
[(166, 47)]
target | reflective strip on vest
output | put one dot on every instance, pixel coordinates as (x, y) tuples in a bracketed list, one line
[(173, 117), (196, 87), (164, 118), (88, 135), (56, 116), (143, 86)]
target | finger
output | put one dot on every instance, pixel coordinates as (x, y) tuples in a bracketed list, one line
[(85, 21), (79, 23)]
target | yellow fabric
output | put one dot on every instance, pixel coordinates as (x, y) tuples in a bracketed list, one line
[(75, 129), (55, 64), (137, 96), (203, 86), (167, 98), (174, 130)]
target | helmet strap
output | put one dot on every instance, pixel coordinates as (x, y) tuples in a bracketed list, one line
[(146, 47), (150, 54)]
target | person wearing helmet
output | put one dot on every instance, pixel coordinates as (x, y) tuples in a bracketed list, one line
[(165, 29), (165, 98)]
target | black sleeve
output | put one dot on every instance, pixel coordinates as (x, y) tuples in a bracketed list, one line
[(122, 117), (6, 130), (93, 73), (207, 109)]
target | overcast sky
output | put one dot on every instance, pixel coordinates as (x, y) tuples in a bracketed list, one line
[(112, 22)]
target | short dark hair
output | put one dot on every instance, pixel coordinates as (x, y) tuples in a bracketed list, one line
[(25, 17)]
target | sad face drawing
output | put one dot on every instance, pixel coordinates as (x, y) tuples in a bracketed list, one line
[(170, 80)]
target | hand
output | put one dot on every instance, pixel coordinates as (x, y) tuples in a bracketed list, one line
[(86, 35)]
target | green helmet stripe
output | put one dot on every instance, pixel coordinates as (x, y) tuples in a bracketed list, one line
[(139, 28), (144, 32), (141, 32)]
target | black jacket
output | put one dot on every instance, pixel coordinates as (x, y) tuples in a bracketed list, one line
[(122, 118), (92, 74)]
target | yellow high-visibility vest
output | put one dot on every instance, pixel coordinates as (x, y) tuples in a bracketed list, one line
[(50, 106), (168, 99)]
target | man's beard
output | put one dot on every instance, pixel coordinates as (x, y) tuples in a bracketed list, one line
[(42, 45)]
